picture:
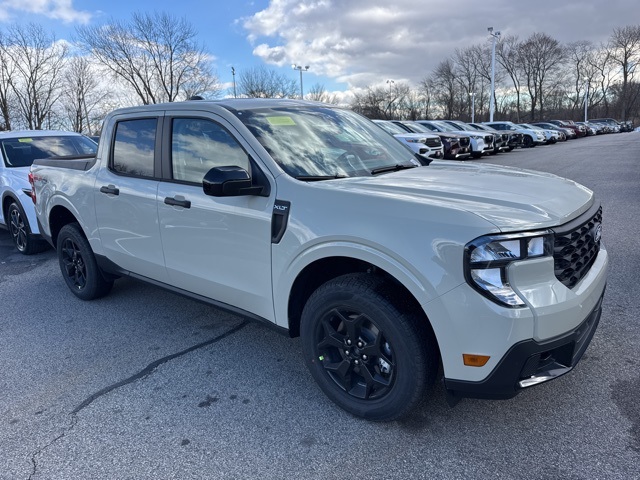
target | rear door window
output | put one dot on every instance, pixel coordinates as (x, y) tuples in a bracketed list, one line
[(134, 147)]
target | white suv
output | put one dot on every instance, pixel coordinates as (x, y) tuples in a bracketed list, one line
[(18, 150), (421, 143), (530, 138)]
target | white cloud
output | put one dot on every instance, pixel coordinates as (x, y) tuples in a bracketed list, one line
[(365, 42), (54, 9)]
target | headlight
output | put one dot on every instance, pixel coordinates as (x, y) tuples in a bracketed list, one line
[(417, 140), (487, 259), (477, 137)]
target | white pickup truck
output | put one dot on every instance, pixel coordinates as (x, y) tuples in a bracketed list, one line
[(309, 217)]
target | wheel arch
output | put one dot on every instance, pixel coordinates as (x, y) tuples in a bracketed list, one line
[(59, 216), (7, 199), (322, 270)]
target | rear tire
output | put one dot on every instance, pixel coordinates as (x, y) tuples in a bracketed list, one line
[(368, 356), (78, 264), (21, 232)]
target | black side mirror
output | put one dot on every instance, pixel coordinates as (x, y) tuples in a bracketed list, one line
[(228, 181)]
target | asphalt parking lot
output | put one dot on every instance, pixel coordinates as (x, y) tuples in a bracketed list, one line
[(144, 384)]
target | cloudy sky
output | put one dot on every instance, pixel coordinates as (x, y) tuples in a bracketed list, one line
[(347, 44)]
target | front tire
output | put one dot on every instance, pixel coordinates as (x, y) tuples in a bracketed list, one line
[(370, 357), (78, 264), (21, 232), (527, 142)]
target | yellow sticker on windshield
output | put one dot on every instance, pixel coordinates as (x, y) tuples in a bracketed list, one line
[(279, 121), (25, 140)]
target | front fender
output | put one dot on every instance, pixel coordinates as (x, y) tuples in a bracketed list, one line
[(285, 275)]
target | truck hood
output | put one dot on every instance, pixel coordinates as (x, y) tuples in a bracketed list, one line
[(511, 199)]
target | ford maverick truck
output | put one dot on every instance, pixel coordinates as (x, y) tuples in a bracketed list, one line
[(389, 267)]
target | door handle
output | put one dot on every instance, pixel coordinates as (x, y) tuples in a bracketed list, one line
[(177, 202), (110, 190)]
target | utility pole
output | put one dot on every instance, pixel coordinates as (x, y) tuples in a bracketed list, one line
[(301, 69), (495, 36), (233, 72)]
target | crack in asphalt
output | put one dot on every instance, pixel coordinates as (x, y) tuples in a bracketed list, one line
[(34, 462), (141, 374), (153, 365)]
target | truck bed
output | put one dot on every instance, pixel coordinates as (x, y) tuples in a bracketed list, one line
[(73, 162)]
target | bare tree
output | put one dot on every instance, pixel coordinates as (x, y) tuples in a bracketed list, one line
[(263, 82), (83, 95), (540, 57), (317, 93), (479, 59), (581, 71), (624, 47), (37, 61), (425, 93), (155, 54), (372, 103), (412, 104), (508, 55), (444, 83), (604, 74), (467, 77), (6, 74)]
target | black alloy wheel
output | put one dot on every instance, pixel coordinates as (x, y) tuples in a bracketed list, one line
[(355, 353), (527, 141), (78, 264), (370, 357), (21, 233), (74, 266)]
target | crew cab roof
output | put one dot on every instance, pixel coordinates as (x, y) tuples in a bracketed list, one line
[(231, 104)]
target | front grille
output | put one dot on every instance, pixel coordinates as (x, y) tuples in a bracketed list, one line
[(465, 141), (576, 246), (488, 139), (433, 142)]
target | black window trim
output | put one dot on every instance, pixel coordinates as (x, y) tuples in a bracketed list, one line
[(167, 133), (157, 164)]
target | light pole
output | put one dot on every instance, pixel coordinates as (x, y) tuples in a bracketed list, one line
[(495, 36), (233, 72), (473, 106), (586, 99), (390, 83), (301, 69)]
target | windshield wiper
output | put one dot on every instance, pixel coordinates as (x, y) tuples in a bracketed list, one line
[(318, 178), (392, 168)]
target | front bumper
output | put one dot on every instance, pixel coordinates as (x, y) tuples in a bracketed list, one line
[(529, 363)]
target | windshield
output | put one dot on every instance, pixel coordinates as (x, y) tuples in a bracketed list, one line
[(391, 128), (420, 127), (319, 143), (459, 125), (22, 151), (445, 127)]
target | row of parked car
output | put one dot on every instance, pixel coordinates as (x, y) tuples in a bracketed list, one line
[(456, 140)]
